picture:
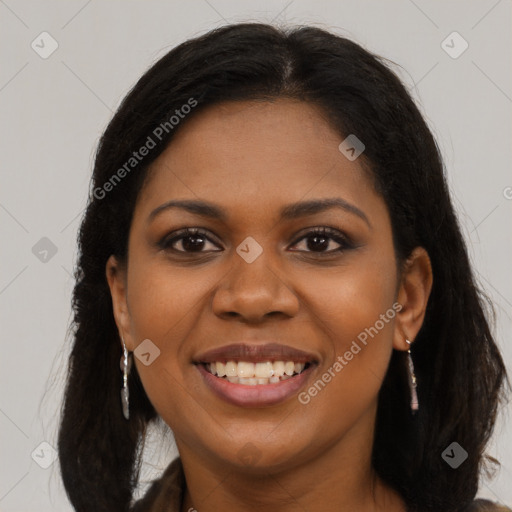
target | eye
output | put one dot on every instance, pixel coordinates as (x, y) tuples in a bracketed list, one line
[(322, 240), (189, 240)]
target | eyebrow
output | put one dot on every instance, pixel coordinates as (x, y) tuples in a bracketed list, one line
[(289, 212)]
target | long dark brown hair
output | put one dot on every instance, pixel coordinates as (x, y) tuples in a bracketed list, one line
[(458, 365)]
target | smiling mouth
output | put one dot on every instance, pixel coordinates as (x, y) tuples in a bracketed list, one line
[(252, 374)]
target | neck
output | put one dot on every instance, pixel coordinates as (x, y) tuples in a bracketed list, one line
[(340, 478)]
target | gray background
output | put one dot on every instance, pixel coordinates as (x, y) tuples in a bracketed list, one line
[(53, 110)]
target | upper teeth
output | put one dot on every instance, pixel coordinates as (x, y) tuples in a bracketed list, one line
[(262, 370)]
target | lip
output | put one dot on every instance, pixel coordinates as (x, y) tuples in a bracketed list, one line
[(261, 395), (255, 353)]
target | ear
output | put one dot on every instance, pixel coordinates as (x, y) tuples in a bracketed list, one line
[(413, 294), (116, 278)]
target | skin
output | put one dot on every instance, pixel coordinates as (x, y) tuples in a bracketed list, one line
[(251, 159)]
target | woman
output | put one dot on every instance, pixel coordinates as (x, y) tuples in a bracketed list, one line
[(271, 250)]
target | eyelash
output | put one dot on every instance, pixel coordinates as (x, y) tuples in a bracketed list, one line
[(325, 232)]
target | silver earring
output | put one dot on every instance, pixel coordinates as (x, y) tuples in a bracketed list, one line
[(412, 381), (125, 393)]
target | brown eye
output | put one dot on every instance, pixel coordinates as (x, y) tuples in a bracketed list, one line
[(189, 241), (323, 240)]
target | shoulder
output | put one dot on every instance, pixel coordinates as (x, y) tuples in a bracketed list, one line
[(481, 505), (166, 493)]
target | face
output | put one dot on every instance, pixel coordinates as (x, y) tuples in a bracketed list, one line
[(288, 258)]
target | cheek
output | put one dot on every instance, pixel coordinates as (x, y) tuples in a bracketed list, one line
[(350, 299), (163, 303), (353, 309), (164, 300)]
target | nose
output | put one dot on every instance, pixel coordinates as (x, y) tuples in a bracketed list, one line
[(254, 292)]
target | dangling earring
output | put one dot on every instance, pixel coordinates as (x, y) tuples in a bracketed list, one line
[(125, 394), (412, 381)]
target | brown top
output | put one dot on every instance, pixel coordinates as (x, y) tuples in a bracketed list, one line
[(166, 494)]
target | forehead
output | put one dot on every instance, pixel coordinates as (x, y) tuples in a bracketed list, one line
[(257, 153)]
